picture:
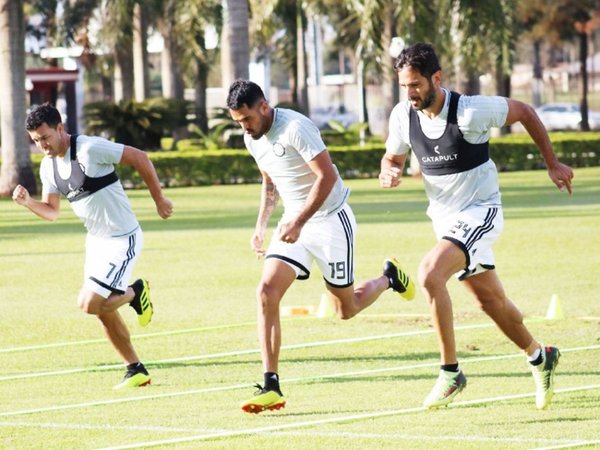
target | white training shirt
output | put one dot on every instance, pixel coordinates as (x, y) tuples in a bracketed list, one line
[(455, 192), (283, 153), (107, 212)]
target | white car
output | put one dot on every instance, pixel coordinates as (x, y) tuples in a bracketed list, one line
[(322, 116), (566, 116)]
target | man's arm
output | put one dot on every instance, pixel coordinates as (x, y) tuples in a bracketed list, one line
[(326, 174), (560, 174), (268, 201), (391, 170), (48, 208), (140, 161)]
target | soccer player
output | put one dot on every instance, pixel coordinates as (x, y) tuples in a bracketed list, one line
[(82, 169), (317, 224), (449, 134)]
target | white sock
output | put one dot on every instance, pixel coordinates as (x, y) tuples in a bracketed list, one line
[(535, 355)]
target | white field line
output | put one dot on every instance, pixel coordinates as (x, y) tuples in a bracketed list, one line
[(208, 328), (334, 434), (287, 380), (571, 445), (350, 418), (135, 336), (237, 353)]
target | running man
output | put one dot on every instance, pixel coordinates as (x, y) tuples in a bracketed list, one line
[(82, 169), (317, 224), (449, 134)]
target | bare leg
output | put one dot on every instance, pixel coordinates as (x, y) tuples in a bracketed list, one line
[(350, 301), (112, 323), (115, 329), (93, 303), (277, 277), (489, 293), (435, 270)]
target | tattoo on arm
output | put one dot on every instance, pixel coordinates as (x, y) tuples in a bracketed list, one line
[(270, 196)]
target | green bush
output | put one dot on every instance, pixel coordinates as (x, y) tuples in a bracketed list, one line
[(139, 124), (191, 166), (519, 152)]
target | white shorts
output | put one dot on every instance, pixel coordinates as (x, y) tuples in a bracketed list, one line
[(329, 241), (109, 262), (474, 231)]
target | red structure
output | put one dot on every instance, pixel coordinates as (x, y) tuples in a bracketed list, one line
[(45, 84)]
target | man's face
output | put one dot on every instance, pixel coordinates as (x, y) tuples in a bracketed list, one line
[(255, 121), (421, 91), (49, 140)]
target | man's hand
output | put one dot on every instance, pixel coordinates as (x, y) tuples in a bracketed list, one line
[(164, 207), (561, 175), (289, 232), (21, 195), (390, 177), (256, 243)]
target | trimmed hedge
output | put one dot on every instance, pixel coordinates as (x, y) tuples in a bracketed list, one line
[(205, 167)]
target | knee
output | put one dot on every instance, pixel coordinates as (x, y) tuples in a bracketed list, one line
[(268, 298), (86, 303), (429, 279)]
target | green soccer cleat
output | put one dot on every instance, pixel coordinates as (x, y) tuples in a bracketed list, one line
[(543, 374), (399, 281), (141, 301), (263, 400), (447, 386), (134, 377)]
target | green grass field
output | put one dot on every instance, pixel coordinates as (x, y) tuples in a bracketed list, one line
[(357, 384)]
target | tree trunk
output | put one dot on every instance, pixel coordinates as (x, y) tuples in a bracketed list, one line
[(200, 97), (140, 53), (537, 75), (389, 83), (123, 87), (235, 47), (16, 159), (301, 65), (583, 101)]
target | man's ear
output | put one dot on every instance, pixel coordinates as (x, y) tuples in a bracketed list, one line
[(263, 107), (436, 78)]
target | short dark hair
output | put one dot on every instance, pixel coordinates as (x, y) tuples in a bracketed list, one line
[(40, 114), (244, 92), (421, 57)]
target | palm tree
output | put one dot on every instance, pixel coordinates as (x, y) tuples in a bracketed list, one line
[(194, 17), (556, 21), (16, 159), (117, 32), (235, 48), (141, 83)]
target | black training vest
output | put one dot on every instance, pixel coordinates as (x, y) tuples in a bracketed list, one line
[(79, 185), (450, 153)]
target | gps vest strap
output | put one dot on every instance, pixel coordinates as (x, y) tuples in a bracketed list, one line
[(450, 153), (79, 185)]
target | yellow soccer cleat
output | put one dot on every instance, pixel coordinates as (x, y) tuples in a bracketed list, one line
[(399, 281), (141, 301), (136, 376), (263, 400)]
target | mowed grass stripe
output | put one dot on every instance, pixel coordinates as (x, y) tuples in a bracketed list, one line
[(287, 380), (237, 353), (349, 418)]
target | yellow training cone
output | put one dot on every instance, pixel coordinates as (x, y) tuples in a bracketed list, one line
[(555, 311), (325, 307)]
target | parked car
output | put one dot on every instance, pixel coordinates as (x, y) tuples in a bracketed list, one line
[(566, 116), (322, 116)]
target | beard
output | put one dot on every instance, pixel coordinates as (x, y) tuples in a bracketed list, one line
[(427, 101)]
